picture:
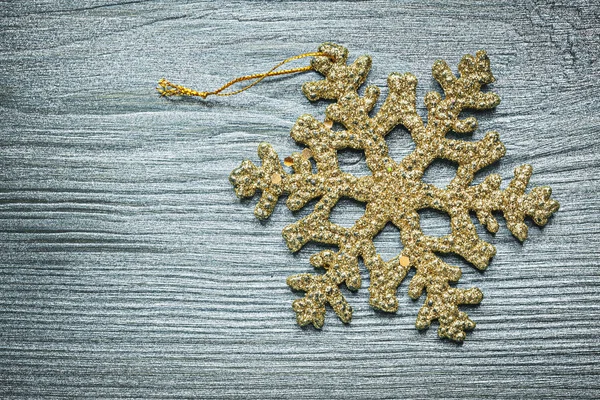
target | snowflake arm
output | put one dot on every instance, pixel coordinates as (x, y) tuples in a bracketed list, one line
[(302, 185)]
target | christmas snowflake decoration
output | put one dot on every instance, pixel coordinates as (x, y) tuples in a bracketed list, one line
[(395, 191)]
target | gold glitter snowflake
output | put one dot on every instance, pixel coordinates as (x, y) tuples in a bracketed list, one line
[(395, 191)]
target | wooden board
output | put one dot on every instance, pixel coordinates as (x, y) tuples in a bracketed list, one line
[(130, 269)]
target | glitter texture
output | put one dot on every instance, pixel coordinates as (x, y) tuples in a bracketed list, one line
[(395, 191)]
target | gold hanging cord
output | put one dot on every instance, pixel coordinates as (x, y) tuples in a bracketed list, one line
[(167, 89)]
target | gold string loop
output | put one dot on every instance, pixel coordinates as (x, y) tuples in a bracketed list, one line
[(167, 89)]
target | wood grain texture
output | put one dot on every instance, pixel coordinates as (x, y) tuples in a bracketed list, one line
[(130, 269)]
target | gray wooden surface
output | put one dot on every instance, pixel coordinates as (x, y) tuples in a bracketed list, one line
[(129, 268)]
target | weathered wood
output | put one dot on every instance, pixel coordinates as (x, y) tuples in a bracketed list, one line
[(130, 269)]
